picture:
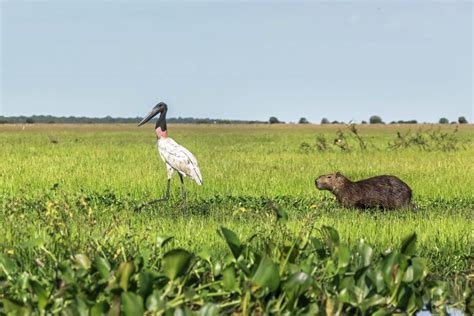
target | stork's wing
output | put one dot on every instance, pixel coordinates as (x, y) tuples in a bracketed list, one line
[(180, 159)]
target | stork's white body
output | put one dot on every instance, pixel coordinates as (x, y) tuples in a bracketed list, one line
[(177, 158)]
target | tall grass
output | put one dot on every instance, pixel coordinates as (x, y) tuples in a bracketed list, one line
[(75, 188)]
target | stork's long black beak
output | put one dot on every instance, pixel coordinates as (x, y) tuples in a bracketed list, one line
[(150, 115)]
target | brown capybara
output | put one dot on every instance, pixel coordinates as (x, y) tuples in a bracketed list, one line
[(386, 192)]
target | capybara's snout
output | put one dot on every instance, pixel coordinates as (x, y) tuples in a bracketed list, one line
[(317, 184)]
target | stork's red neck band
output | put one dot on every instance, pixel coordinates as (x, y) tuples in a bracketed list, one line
[(160, 133)]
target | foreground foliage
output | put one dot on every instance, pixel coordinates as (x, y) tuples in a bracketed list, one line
[(306, 275)]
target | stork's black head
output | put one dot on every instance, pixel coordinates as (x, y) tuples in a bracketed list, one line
[(159, 108)]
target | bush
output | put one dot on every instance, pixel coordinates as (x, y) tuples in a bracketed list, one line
[(29, 121), (462, 120), (407, 122), (375, 119), (274, 120), (309, 275), (324, 121), (303, 120), (443, 120)]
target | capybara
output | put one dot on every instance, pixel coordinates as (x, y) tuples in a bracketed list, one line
[(386, 192)]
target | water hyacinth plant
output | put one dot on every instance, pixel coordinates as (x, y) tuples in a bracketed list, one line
[(307, 275)]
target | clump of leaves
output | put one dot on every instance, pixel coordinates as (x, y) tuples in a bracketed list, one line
[(355, 133), (425, 140), (309, 274), (322, 143), (430, 140), (342, 142)]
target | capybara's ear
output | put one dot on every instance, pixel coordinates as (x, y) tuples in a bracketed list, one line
[(338, 174)]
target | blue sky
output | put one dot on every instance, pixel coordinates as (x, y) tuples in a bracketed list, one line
[(341, 60)]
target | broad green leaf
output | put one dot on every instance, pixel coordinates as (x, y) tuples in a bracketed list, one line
[(331, 236), (365, 252), (232, 241), (377, 278), (346, 282), (145, 283), (132, 304), (189, 293), (409, 245), (267, 274), (382, 312), (124, 273), (412, 304), (408, 276), (297, 284), (40, 292), (372, 301), (99, 309), (154, 302), (81, 261), (161, 241), (361, 291), (182, 310), (205, 254), (12, 308), (420, 268), (343, 258), (209, 310), (103, 266), (7, 265), (333, 307), (390, 266), (35, 242), (345, 296), (402, 300), (144, 258), (229, 281), (176, 262), (319, 247)]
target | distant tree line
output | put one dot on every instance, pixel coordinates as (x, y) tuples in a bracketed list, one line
[(48, 119)]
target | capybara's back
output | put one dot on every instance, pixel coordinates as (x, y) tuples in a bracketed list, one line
[(388, 192), (382, 191)]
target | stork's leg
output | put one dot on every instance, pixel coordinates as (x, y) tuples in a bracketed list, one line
[(166, 197), (183, 192), (167, 194)]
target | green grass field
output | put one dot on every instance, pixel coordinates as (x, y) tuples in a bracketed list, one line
[(68, 189), (111, 168)]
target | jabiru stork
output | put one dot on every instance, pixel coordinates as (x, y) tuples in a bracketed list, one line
[(176, 157)]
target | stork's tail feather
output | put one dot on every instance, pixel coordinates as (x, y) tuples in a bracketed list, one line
[(196, 175)]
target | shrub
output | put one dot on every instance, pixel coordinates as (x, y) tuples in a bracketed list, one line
[(375, 119), (303, 120), (274, 120), (308, 275), (443, 120), (462, 120), (324, 121)]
